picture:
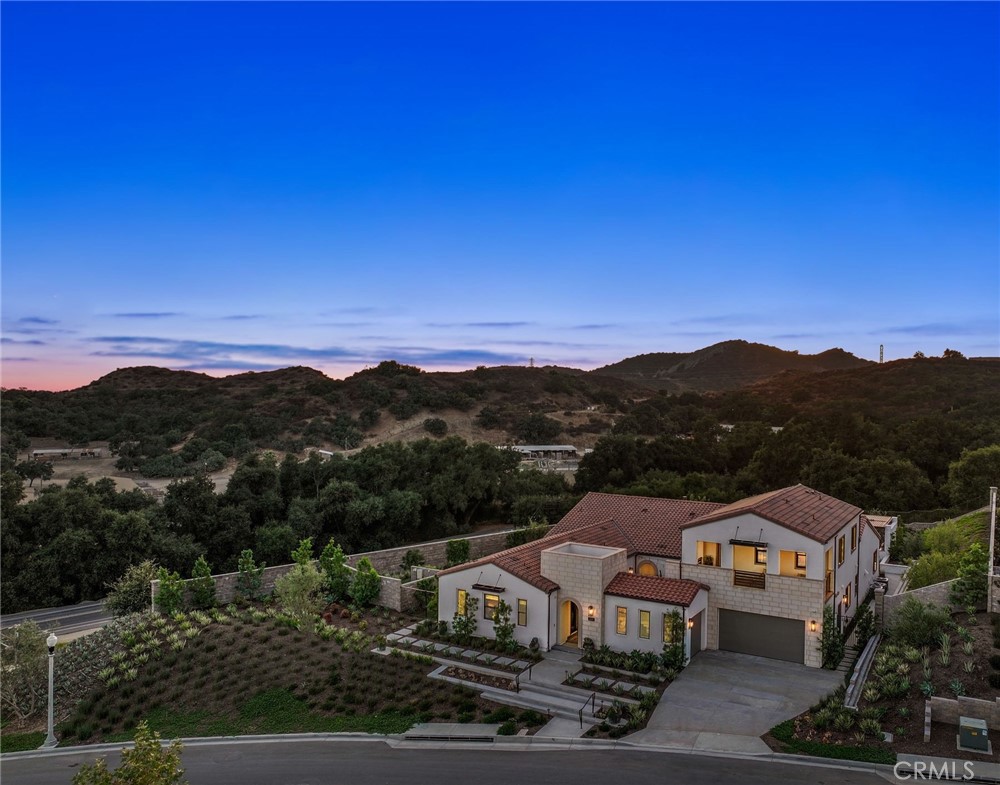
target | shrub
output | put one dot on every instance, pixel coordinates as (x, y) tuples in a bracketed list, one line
[(366, 585), (916, 624), (508, 728), (170, 598), (971, 587), (503, 627), (831, 641), (131, 592), (251, 576), (298, 591), (202, 584), (463, 625), (412, 558), (457, 552), (435, 426), (870, 727), (336, 575), (148, 762), (865, 627)]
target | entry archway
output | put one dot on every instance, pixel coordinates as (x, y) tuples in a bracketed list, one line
[(648, 568), (569, 623)]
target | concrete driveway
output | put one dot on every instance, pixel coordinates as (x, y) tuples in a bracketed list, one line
[(726, 701)]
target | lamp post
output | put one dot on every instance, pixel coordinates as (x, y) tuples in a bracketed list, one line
[(50, 740)]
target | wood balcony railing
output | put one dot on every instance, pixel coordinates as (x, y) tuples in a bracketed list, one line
[(749, 580)]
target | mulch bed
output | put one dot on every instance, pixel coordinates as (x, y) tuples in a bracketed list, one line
[(497, 682)]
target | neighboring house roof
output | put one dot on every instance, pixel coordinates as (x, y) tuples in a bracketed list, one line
[(525, 561), (878, 529), (652, 525), (669, 591), (798, 508), (879, 521)]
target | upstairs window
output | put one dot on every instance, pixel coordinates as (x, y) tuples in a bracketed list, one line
[(854, 537), (760, 555), (840, 550)]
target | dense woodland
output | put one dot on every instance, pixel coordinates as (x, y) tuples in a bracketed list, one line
[(919, 437)]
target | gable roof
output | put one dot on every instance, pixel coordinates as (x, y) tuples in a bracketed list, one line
[(811, 513), (669, 591), (652, 525), (525, 561)]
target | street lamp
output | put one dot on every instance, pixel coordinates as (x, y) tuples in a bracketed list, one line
[(50, 740)]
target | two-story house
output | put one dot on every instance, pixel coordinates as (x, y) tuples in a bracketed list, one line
[(752, 576)]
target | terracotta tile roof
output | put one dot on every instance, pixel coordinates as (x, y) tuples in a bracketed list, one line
[(798, 508), (652, 525), (525, 561), (868, 520), (669, 591)]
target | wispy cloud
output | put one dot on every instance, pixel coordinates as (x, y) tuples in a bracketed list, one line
[(429, 356), (211, 351), (485, 325), (940, 328), (608, 326), (796, 336), (724, 319), (30, 342), (241, 317), (36, 320), (20, 359), (147, 315)]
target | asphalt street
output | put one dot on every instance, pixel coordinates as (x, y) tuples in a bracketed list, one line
[(319, 762), (66, 620)]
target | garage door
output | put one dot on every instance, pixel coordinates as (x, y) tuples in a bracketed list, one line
[(765, 636)]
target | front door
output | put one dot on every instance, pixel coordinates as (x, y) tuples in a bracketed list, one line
[(574, 625)]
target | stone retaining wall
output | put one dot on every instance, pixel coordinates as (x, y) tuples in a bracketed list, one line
[(948, 710), (937, 594), (393, 593)]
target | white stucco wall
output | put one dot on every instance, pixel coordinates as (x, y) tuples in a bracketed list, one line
[(654, 643), (539, 604)]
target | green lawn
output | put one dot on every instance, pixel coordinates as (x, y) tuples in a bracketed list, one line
[(21, 742)]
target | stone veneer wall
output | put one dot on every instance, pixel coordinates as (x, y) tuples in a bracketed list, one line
[(949, 710), (582, 579), (938, 594), (786, 597)]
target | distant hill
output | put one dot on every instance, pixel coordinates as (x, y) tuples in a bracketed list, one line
[(729, 365)]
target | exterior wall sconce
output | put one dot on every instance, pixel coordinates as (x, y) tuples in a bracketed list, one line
[(812, 626), (591, 613), (690, 624), (631, 570), (846, 599)]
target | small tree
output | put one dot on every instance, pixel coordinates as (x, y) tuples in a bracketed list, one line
[(864, 629), (23, 687), (457, 552), (337, 576), (435, 426), (464, 624), (251, 577), (831, 642), (298, 591), (971, 588), (366, 585), (503, 627), (170, 598), (131, 592), (202, 584), (304, 553), (148, 763), (672, 656)]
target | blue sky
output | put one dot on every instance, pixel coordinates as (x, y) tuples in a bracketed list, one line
[(233, 186)]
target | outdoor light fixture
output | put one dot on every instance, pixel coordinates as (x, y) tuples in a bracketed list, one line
[(846, 599), (591, 613), (690, 624), (50, 739), (812, 626)]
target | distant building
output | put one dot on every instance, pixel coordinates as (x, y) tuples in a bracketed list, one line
[(59, 453)]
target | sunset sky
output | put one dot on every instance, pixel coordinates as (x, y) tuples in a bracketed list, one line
[(242, 186)]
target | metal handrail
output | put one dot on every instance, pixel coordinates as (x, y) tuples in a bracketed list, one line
[(592, 700)]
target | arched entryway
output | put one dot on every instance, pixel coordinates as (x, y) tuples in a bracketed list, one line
[(569, 623), (647, 568)]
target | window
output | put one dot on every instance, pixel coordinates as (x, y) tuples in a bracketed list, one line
[(490, 602), (644, 624), (828, 584), (800, 560), (760, 555), (840, 550), (854, 537), (668, 628), (874, 562), (462, 594), (621, 622), (522, 613), (847, 596), (709, 553)]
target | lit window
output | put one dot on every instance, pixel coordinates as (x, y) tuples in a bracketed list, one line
[(760, 555), (643, 624), (800, 560), (847, 596), (462, 594), (490, 602), (854, 537), (621, 623), (840, 550), (522, 613)]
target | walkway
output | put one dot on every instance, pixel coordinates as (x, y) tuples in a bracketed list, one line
[(725, 701)]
